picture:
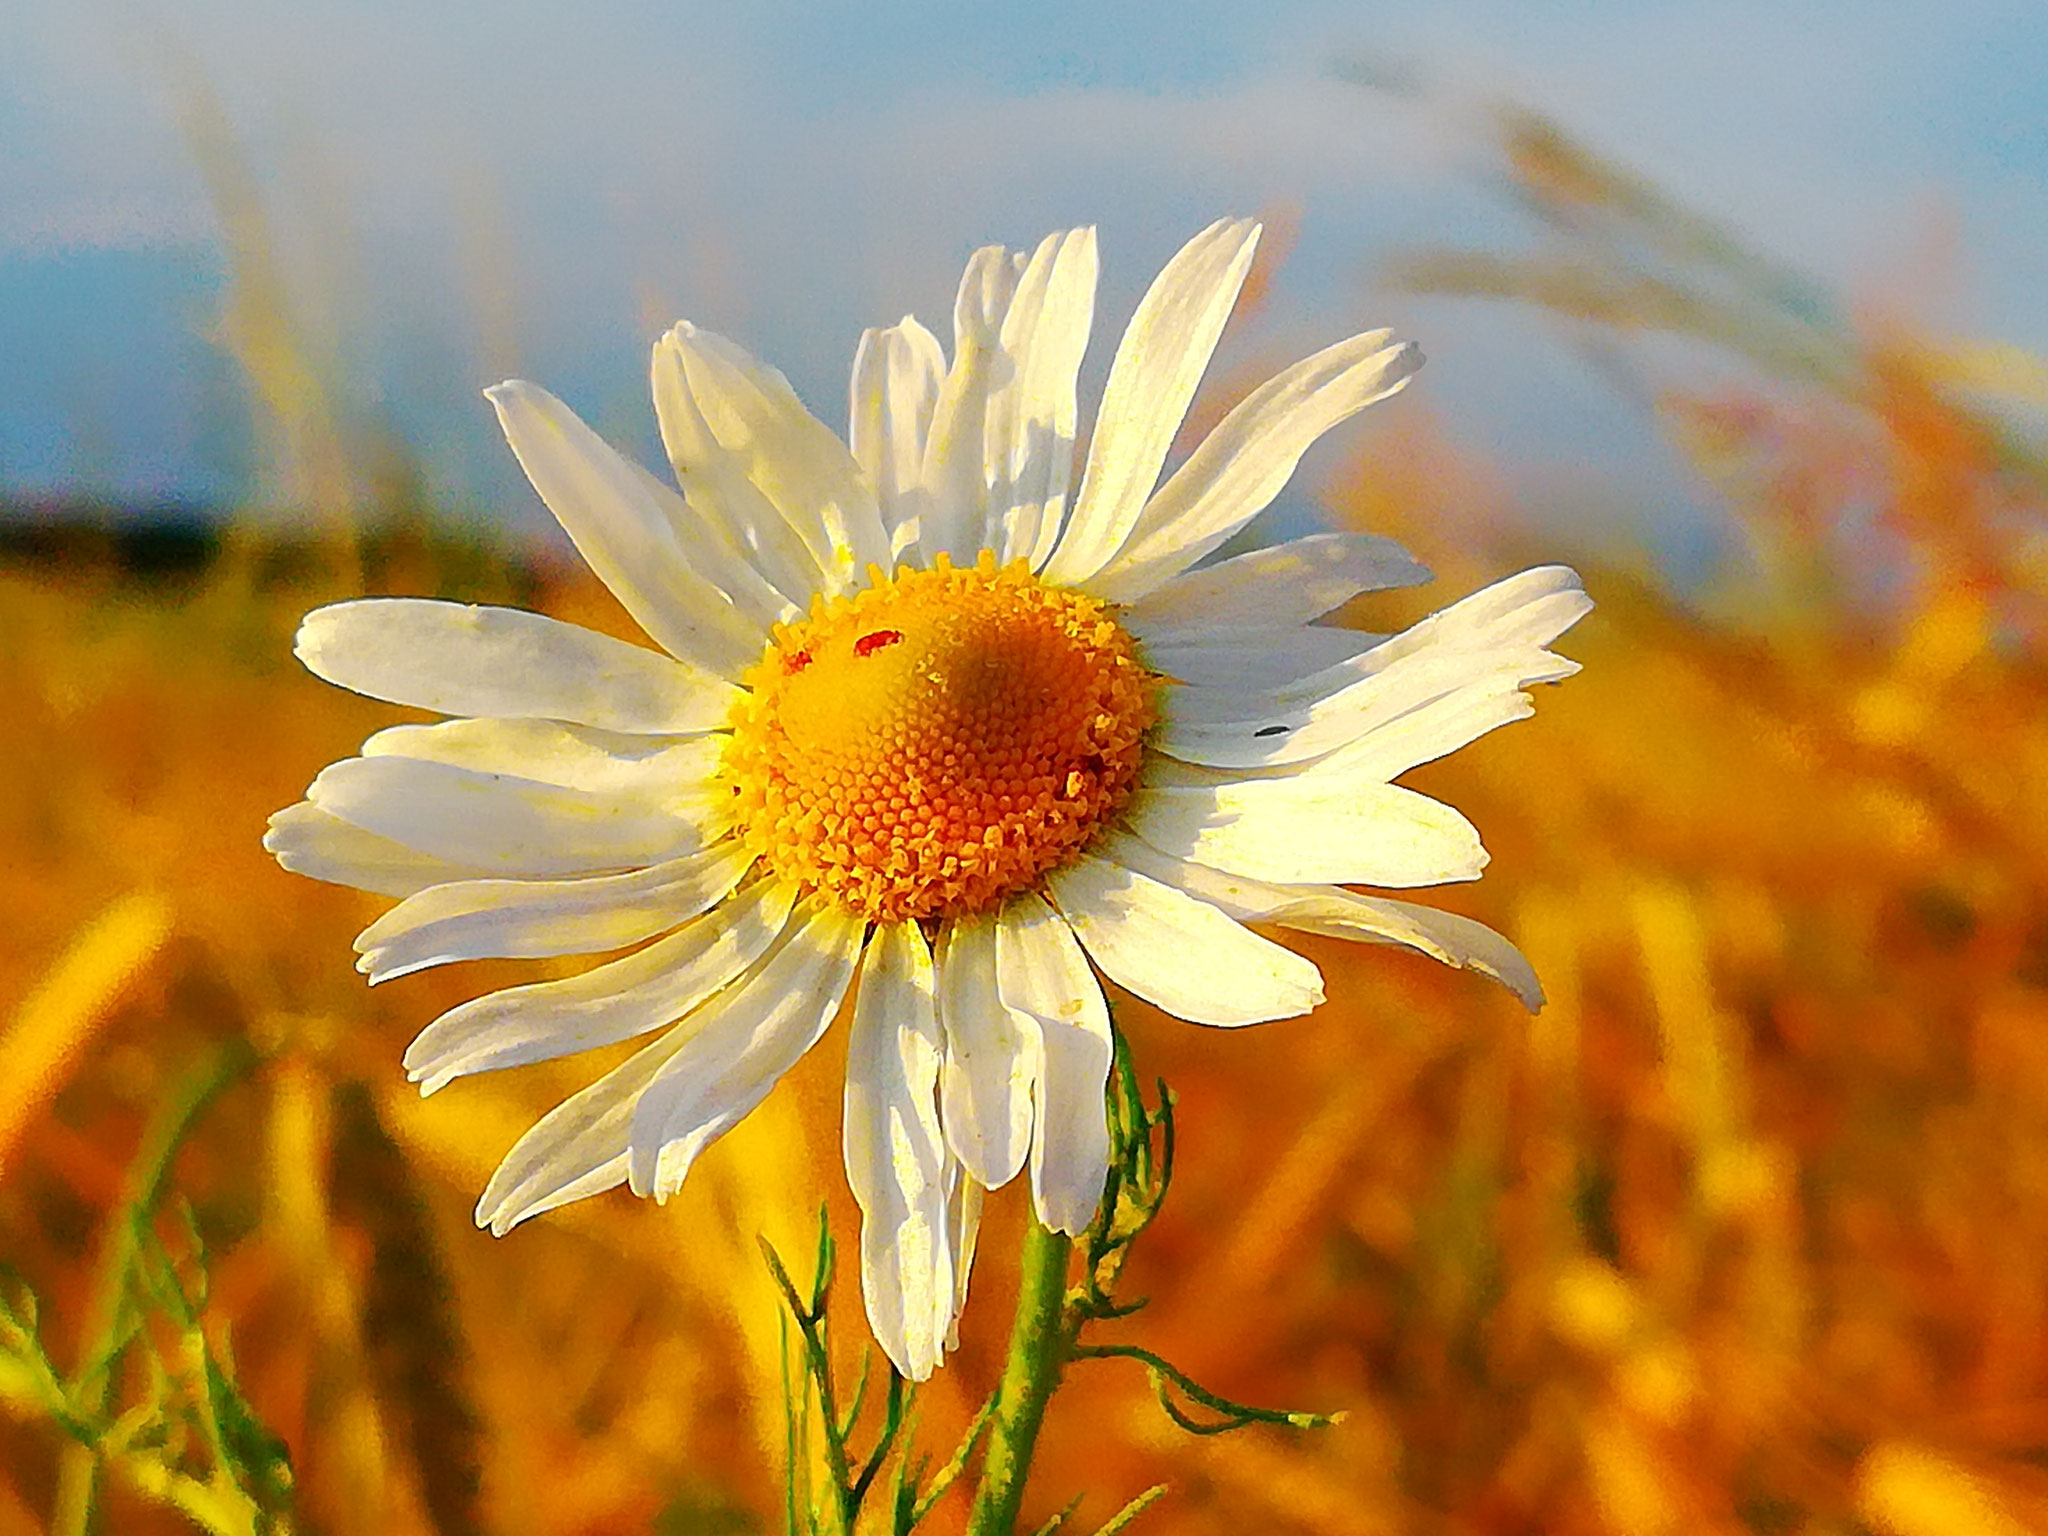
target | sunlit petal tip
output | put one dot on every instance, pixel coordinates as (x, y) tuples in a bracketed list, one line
[(375, 972)]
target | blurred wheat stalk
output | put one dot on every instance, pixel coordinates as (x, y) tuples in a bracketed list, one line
[(1743, 1234)]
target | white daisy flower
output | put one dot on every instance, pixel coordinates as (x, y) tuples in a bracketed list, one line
[(922, 717)]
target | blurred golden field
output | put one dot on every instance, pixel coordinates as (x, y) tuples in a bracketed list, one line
[(1747, 1231)]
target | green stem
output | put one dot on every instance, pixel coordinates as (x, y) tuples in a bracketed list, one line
[(1040, 1341)]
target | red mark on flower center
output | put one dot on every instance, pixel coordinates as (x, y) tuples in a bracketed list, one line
[(867, 645), (796, 661)]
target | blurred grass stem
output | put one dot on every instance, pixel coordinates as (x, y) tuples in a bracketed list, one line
[(105, 1335)]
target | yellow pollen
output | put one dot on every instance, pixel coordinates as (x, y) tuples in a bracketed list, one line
[(939, 741)]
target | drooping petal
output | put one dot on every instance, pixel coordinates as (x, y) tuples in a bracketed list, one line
[(1159, 364), (955, 473), (897, 373), (1043, 974), (1275, 588), (321, 846), (461, 660), (1336, 913), (790, 456), (1456, 941), (1241, 466), (963, 1227), (623, 524), (583, 1146), (577, 1149), (663, 769), (1177, 952), (534, 919), (1028, 435), (495, 824), (992, 1057), (648, 989), (896, 1158), (740, 1043), (1311, 827)]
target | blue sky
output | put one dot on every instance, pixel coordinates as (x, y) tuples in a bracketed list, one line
[(468, 190)]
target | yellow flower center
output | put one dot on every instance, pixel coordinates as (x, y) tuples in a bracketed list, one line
[(939, 741)]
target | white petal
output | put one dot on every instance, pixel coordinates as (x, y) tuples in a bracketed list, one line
[(1275, 588), (1490, 643), (497, 824), (715, 484), (1028, 436), (790, 456), (1313, 716), (1159, 364), (1518, 614), (1335, 913), (320, 845), (991, 1063), (1311, 827), (1182, 954), (1445, 936), (1241, 466), (895, 1152), (1043, 975), (896, 377), (714, 551), (739, 1044), (622, 523), (573, 756), (1531, 607), (955, 473), (1251, 662), (1433, 730), (578, 1148), (533, 919), (963, 1227), (649, 988), (461, 660)]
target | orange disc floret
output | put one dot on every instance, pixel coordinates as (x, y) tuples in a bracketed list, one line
[(939, 741)]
